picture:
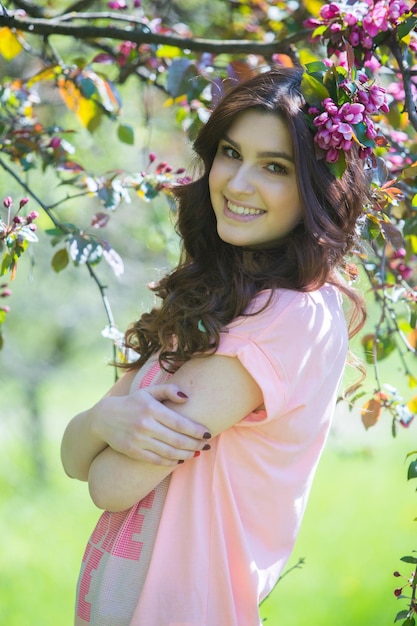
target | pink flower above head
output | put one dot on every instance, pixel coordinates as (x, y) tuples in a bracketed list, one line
[(378, 98), (354, 38), (367, 41), (332, 155), (396, 9), (329, 11), (352, 113), (330, 106), (372, 63)]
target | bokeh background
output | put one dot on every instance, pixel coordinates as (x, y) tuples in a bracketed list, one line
[(55, 362)]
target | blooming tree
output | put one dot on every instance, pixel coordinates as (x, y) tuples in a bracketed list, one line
[(360, 83)]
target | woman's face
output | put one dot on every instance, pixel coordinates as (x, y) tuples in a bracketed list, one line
[(252, 182)]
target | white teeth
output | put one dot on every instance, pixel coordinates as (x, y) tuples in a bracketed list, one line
[(242, 210)]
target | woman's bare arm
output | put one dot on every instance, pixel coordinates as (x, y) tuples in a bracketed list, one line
[(221, 392), (138, 425)]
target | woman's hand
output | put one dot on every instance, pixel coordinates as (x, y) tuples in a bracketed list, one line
[(141, 427), (136, 425)]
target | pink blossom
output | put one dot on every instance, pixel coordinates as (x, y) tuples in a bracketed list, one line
[(55, 143), (367, 41), (7, 202), (354, 38), (378, 97), (323, 138), (352, 113), (399, 254), (364, 153), (396, 90), (372, 64), (399, 136), (405, 271), (332, 155), (330, 106), (329, 11), (397, 9), (335, 27)]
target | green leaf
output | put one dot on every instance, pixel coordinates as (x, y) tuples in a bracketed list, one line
[(412, 472), (383, 347), (407, 26), (410, 622), (83, 250), (60, 260), (176, 82), (313, 90), (401, 615), (409, 559), (339, 167), (6, 264), (316, 67), (87, 87), (126, 134), (360, 130)]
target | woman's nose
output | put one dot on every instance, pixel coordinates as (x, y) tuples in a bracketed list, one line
[(241, 181)]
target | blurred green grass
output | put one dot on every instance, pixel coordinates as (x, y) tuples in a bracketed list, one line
[(358, 524)]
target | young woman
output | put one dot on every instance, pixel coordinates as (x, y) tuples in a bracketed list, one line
[(242, 361)]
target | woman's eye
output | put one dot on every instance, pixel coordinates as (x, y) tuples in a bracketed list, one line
[(277, 168), (230, 152)]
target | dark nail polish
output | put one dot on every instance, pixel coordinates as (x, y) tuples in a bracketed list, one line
[(207, 436), (207, 446), (181, 394), (180, 461)]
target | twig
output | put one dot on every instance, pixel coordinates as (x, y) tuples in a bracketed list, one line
[(137, 35)]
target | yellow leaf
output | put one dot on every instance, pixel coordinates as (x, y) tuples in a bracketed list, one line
[(412, 404), (50, 73), (412, 382), (168, 52), (87, 111), (170, 101), (370, 413), (313, 6), (10, 46), (307, 56)]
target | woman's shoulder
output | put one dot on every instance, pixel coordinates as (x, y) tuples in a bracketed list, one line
[(286, 309)]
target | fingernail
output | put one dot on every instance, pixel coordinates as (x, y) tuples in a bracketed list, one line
[(197, 453), (207, 436), (180, 461), (181, 394), (207, 446)]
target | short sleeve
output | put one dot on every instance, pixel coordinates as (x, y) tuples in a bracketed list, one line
[(294, 347)]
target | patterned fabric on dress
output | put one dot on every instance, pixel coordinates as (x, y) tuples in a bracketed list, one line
[(120, 547)]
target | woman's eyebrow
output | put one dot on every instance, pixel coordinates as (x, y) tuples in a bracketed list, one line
[(266, 154)]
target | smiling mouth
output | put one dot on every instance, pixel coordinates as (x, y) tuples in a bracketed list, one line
[(242, 210)]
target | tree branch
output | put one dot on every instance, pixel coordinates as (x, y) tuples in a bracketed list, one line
[(138, 34)]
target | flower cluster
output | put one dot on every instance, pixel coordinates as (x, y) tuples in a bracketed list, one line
[(15, 233), (345, 119), (359, 23)]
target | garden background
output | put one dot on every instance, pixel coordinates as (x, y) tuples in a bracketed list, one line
[(55, 362)]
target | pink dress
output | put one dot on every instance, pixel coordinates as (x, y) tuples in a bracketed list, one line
[(211, 541)]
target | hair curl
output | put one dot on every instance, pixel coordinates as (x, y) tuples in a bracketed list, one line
[(215, 281)]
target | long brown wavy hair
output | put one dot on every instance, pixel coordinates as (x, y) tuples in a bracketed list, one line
[(214, 281)]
